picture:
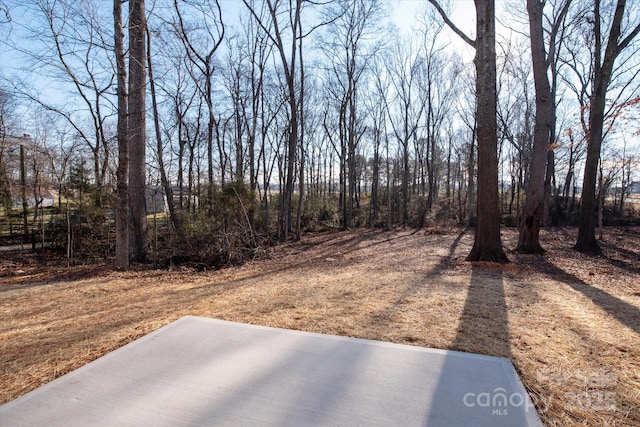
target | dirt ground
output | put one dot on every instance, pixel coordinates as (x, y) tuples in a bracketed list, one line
[(569, 322)]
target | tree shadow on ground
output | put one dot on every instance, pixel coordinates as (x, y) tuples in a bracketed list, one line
[(483, 328), (624, 312), (32, 277), (444, 263), (621, 258), (432, 275), (484, 323)]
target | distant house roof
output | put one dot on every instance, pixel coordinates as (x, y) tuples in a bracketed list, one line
[(634, 188), (16, 192), (48, 197)]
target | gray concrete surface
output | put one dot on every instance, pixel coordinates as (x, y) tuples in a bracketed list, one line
[(206, 372)]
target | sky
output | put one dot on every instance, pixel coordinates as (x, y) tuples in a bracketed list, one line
[(406, 11)]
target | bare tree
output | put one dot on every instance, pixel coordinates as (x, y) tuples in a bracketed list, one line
[(274, 27), (488, 243), (375, 108), (74, 50), (543, 58), (166, 185), (255, 53), (181, 97), (405, 109), (136, 128), (61, 155), (438, 84), (122, 174), (7, 108), (516, 116), (348, 50), (466, 110), (210, 34), (614, 43)]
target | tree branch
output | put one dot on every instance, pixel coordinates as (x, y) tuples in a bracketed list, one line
[(451, 25), (627, 40)]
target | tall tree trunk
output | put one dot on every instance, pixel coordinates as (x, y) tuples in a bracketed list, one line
[(344, 165), (289, 68), (375, 178), (471, 186), (389, 219), (405, 172), (487, 245), (122, 174), (551, 199), (181, 148), (25, 206), (533, 213), (301, 108), (166, 185), (351, 150), (137, 128), (211, 126), (603, 69), (587, 241), (291, 163)]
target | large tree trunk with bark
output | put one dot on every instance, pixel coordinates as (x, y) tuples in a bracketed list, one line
[(488, 243), (533, 214), (603, 69), (587, 241), (471, 186), (137, 128), (122, 174)]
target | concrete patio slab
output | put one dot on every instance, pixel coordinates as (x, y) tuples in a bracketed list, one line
[(206, 372)]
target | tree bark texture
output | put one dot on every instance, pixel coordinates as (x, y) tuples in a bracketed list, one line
[(488, 243), (533, 213), (122, 173), (137, 129)]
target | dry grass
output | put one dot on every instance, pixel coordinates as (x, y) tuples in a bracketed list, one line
[(570, 323)]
